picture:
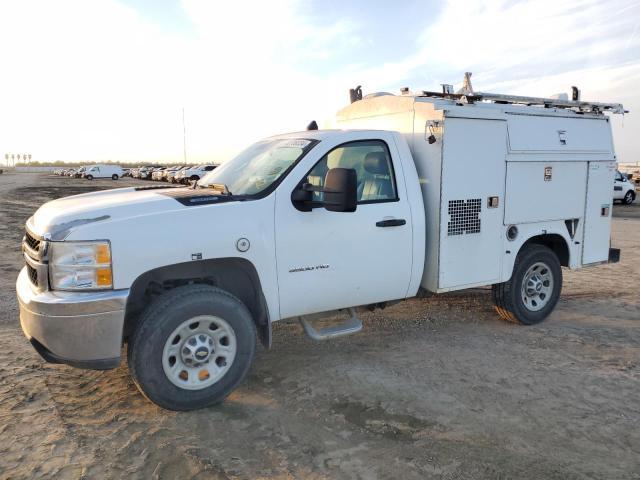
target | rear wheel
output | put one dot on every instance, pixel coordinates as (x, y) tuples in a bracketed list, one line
[(114, 177), (629, 197), (192, 347), (534, 288)]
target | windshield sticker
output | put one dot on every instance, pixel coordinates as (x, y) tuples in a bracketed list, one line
[(295, 143)]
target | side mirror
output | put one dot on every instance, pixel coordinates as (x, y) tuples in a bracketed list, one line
[(341, 190), (302, 197)]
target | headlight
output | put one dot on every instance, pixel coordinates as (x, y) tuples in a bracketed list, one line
[(80, 265)]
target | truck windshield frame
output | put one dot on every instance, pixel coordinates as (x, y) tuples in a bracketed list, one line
[(259, 169)]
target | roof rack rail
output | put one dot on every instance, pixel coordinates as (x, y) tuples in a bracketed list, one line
[(580, 106)]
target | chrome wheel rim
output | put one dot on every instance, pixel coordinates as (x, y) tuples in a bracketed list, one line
[(628, 198), (537, 286), (199, 352)]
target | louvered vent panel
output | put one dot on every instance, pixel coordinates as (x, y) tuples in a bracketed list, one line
[(464, 216)]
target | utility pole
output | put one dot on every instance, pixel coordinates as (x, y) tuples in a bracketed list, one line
[(184, 138)]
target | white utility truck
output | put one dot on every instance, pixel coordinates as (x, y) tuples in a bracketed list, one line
[(418, 192)]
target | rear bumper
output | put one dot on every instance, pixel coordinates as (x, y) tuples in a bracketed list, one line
[(82, 329)]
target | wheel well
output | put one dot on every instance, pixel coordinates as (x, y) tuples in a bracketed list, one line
[(555, 242), (234, 275)]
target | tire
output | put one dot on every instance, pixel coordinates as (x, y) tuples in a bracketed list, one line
[(151, 347), (530, 306), (194, 177), (114, 177), (629, 197), (89, 177)]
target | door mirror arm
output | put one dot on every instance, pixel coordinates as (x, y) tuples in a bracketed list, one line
[(302, 197)]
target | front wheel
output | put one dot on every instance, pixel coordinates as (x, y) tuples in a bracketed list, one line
[(89, 177), (192, 347), (534, 288), (114, 177), (629, 197)]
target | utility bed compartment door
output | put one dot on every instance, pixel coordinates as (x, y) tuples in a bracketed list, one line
[(597, 227), (544, 191), (472, 201), (539, 133)]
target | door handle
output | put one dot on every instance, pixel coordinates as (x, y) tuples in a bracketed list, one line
[(394, 222)]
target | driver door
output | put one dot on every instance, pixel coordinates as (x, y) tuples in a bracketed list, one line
[(331, 260)]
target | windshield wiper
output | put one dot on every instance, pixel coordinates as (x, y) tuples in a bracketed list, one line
[(222, 188)]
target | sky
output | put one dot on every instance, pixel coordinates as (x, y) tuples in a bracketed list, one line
[(102, 80)]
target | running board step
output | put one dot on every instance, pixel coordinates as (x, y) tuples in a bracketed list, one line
[(353, 325)]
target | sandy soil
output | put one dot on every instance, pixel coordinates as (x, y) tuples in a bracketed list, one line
[(432, 388)]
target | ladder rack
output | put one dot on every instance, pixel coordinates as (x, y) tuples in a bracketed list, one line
[(579, 106)]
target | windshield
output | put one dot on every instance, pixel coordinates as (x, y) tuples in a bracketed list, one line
[(259, 166)]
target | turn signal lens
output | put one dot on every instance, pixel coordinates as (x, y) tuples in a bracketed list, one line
[(103, 253), (103, 277)]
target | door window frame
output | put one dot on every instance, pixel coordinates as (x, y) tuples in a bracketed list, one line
[(385, 145)]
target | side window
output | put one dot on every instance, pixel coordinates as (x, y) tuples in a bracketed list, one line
[(619, 177), (372, 163)]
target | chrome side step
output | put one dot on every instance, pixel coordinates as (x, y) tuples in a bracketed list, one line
[(352, 325)]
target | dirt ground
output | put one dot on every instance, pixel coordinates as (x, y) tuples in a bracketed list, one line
[(431, 388)]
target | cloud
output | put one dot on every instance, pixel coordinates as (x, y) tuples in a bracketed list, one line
[(101, 80), (98, 80), (534, 48)]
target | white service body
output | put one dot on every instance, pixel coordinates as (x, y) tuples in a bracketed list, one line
[(546, 167)]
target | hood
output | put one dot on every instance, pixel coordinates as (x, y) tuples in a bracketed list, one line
[(58, 217)]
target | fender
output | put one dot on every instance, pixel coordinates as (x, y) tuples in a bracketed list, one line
[(554, 236), (237, 276)]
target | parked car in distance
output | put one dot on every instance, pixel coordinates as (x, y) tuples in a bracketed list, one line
[(114, 172), (623, 189), (179, 175), (196, 173), (147, 174), (170, 172), (77, 172), (157, 173)]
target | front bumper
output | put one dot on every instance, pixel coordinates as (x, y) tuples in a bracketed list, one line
[(82, 329)]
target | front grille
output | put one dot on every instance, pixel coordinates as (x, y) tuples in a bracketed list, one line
[(33, 275), (32, 243)]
